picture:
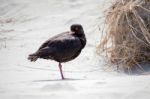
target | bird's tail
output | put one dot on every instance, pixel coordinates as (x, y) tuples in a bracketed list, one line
[(32, 57)]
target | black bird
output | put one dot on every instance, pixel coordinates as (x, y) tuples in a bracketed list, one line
[(63, 47)]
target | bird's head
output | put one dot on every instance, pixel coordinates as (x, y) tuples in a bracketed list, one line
[(77, 28)]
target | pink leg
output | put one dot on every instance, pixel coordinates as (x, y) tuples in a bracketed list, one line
[(61, 72)]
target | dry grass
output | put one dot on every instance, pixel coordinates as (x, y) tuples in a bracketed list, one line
[(127, 39)]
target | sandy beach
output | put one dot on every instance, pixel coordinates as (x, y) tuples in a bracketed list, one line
[(26, 24)]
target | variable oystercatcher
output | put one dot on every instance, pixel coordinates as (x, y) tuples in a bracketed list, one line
[(63, 47)]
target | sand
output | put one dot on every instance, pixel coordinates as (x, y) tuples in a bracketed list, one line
[(26, 24)]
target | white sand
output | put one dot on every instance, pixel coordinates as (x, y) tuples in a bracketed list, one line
[(26, 24)]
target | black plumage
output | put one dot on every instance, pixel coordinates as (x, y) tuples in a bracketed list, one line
[(62, 47)]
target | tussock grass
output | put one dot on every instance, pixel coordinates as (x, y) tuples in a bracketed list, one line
[(127, 39)]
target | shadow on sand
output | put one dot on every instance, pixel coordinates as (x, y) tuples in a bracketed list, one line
[(140, 69), (66, 79)]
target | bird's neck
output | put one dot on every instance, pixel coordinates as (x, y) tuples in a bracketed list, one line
[(82, 38)]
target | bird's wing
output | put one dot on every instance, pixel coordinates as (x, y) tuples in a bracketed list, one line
[(46, 43), (64, 47)]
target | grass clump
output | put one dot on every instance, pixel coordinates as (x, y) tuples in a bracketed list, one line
[(127, 39)]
